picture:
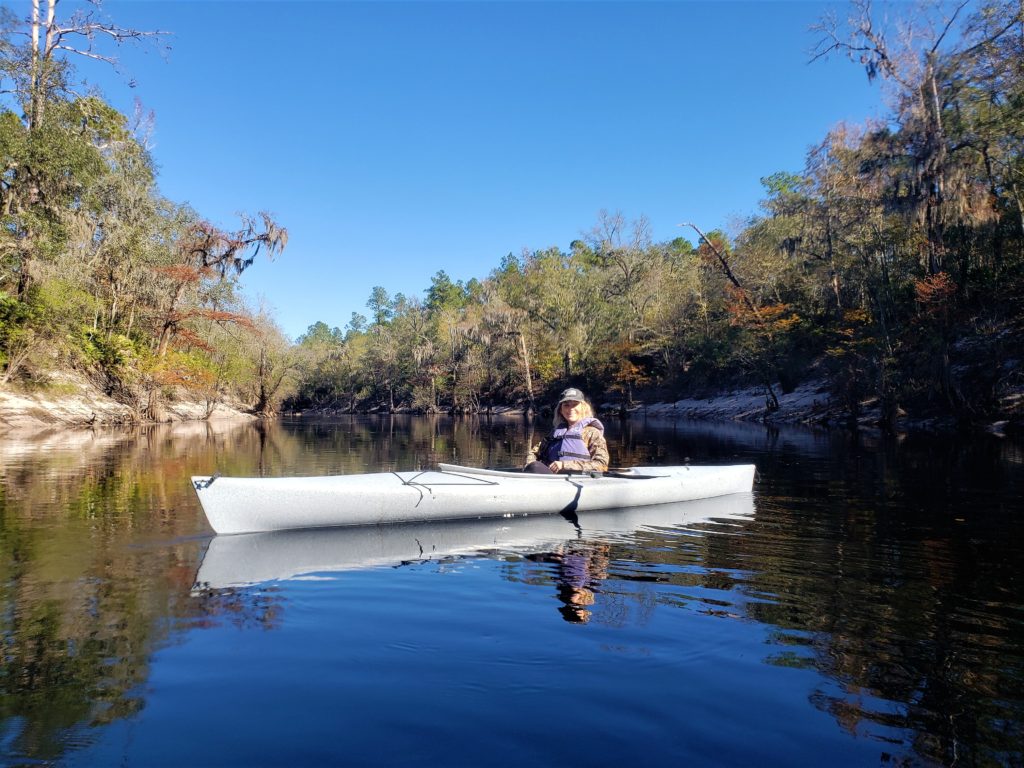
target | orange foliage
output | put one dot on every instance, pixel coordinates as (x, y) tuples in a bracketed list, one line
[(772, 318), (854, 321), (219, 316), (625, 372), (186, 337), (739, 308), (853, 335), (628, 372), (182, 273), (856, 316), (172, 374), (935, 291)]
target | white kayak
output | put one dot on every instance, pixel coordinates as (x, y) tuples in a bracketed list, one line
[(256, 558), (249, 504)]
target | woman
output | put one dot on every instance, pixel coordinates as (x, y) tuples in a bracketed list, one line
[(577, 443)]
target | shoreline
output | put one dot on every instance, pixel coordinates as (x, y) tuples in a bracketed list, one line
[(77, 406)]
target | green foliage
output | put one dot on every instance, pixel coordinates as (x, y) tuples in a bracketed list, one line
[(97, 270), (443, 294), (14, 313), (66, 305), (381, 307), (782, 184), (320, 333), (115, 356), (15, 325)]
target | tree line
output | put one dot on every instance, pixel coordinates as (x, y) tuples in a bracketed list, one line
[(889, 266)]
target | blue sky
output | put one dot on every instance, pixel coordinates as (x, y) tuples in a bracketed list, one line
[(395, 139)]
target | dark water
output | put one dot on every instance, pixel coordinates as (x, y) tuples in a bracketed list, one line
[(863, 608)]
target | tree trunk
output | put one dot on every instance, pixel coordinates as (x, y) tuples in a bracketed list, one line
[(934, 177), (36, 63), (525, 357)]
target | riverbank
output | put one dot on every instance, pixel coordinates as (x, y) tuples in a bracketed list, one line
[(71, 403), (811, 404), (75, 404)]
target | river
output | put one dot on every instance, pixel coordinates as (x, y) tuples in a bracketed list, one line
[(864, 607)]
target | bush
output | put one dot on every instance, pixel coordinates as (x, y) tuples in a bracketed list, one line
[(17, 334)]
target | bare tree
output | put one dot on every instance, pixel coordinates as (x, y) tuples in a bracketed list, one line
[(79, 35)]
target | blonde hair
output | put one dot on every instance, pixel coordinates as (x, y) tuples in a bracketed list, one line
[(586, 411)]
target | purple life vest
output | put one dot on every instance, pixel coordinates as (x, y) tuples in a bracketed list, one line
[(566, 443)]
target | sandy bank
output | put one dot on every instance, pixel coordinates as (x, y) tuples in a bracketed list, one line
[(807, 404), (74, 404)]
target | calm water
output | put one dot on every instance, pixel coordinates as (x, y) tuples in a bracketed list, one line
[(863, 608)]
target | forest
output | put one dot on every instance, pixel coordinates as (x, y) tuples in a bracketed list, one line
[(889, 267)]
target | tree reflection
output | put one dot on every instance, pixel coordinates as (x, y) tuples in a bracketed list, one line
[(896, 591), (98, 549)]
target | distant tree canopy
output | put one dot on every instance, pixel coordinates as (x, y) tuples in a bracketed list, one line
[(889, 265)]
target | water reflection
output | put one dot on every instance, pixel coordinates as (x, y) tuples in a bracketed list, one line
[(580, 567), (884, 573), (253, 558)]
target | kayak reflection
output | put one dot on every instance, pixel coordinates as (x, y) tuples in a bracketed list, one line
[(253, 558)]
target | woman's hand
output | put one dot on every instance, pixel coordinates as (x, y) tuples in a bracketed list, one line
[(555, 466)]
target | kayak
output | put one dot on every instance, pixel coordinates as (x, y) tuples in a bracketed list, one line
[(277, 556), (251, 504)]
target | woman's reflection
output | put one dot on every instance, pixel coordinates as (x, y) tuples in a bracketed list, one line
[(580, 567)]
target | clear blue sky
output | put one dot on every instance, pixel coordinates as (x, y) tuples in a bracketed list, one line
[(395, 139)]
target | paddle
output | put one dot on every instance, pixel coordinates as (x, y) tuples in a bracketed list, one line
[(624, 473)]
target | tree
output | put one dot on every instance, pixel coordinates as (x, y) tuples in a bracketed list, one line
[(52, 152), (126, 218), (748, 312), (319, 333), (632, 267), (381, 307), (504, 330), (206, 257), (444, 294), (383, 355), (44, 183), (270, 362), (925, 64), (41, 70), (559, 293)]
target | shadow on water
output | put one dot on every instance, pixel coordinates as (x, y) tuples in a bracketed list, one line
[(885, 572)]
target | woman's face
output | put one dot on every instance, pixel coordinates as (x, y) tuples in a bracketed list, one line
[(571, 411)]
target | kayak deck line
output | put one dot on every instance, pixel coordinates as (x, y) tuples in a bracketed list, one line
[(569, 509), (413, 481), (253, 504)]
